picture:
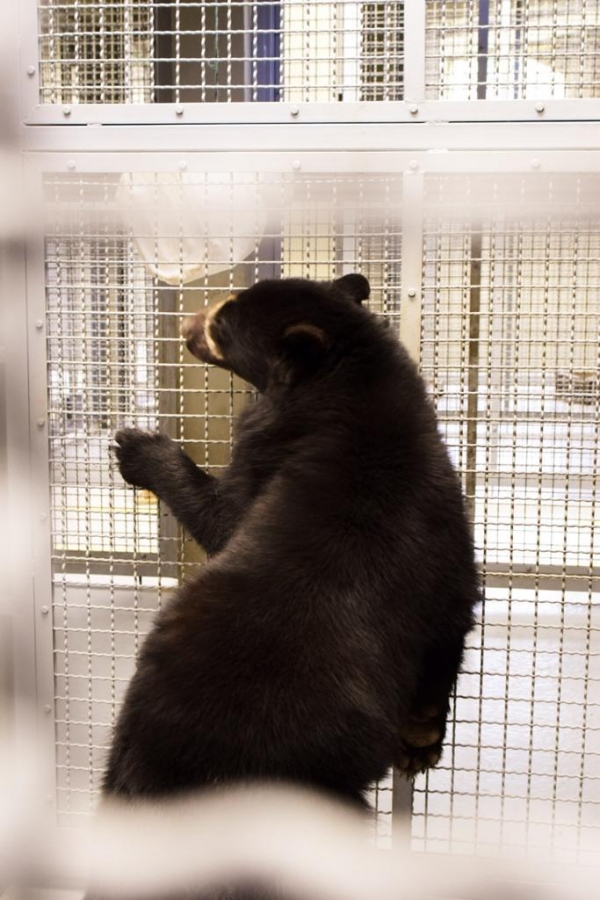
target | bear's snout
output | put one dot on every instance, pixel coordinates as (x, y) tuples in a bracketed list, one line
[(192, 327), (193, 331)]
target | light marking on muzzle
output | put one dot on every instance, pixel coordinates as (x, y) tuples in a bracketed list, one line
[(210, 315)]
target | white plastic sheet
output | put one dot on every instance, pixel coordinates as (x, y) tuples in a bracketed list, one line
[(190, 225)]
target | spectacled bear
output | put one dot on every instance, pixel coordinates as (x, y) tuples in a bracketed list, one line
[(320, 643)]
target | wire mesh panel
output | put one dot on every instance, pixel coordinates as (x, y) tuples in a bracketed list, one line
[(96, 52), (128, 255), (510, 345), (507, 50), (127, 51)]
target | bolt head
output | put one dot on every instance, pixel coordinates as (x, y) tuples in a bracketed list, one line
[(540, 107), (535, 164), (44, 610), (414, 165), (296, 165), (67, 110), (41, 422), (71, 165), (31, 71), (178, 110), (413, 109), (47, 709), (294, 111), (182, 165), (412, 293), (39, 324)]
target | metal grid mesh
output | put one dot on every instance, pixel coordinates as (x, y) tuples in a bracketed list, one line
[(115, 358), (126, 51), (506, 50), (511, 347)]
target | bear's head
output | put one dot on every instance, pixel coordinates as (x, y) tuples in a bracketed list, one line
[(279, 329)]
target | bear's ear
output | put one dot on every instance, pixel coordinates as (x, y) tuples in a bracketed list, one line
[(304, 347), (305, 341), (354, 286)]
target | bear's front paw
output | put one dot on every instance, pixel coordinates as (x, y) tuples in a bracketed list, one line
[(421, 743), (140, 454)]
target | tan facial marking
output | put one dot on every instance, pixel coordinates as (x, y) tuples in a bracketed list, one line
[(210, 315)]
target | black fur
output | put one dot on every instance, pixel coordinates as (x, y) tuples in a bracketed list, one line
[(321, 642)]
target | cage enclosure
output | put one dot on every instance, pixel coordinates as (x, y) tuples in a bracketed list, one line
[(446, 150)]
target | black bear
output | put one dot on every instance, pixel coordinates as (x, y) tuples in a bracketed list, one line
[(320, 643)]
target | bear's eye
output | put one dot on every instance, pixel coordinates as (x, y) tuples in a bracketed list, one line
[(227, 305), (218, 321)]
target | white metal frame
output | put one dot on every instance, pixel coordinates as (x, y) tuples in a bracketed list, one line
[(427, 143), (415, 107), (342, 160)]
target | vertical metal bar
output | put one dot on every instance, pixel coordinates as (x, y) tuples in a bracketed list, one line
[(518, 47), (17, 610), (39, 430), (414, 50), (27, 54), (402, 799), (412, 262), (410, 335), (268, 52), (350, 46), (168, 387), (591, 592), (163, 50), (473, 369), (483, 40), (249, 44), (176, 25)]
